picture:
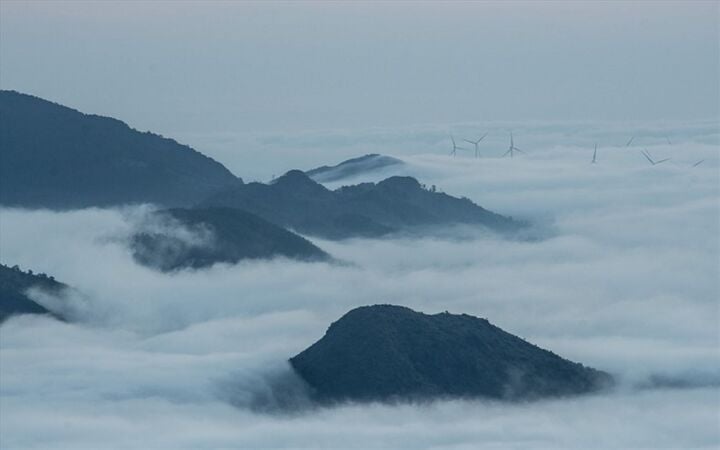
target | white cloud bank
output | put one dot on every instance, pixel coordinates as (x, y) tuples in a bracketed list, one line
[(626, 280)]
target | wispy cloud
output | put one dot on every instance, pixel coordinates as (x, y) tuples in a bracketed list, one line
[(625, 278)]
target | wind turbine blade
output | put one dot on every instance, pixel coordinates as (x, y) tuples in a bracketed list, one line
[(698, 163), (469, 142), (483, 137), (662, 160), (630, 141), (648, 158), (668, 140), (506, 153), (518, 150)]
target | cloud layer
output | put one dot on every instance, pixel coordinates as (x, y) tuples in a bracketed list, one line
[(624, 277)]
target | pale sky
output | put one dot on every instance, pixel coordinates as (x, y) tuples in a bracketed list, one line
[(240, 66)]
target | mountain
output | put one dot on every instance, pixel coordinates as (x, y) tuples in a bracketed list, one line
[(400, 202), (387, 352), (365, 210), (352, 167), (56, 157), (14, 284), (194, 238)]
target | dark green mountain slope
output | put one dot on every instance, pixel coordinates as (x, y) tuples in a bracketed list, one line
[(215, 235), (369, 209), (55, 157), (386, 352), (14, 284)]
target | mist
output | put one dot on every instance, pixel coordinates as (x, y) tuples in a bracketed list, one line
[(218, 66), (621, 274)]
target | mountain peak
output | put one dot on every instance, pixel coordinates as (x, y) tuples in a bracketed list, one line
[(402, 183), (352, 167), (297, 179), (180, 238), (294, 176), (80, 160), (387, 352)]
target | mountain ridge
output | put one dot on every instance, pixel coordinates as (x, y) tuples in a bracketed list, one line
[(352, 167), (200, 237), (79, 160), (389, 353), (395, 204), (14, 284)]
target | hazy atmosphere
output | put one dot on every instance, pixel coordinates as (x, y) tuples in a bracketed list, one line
[(256, 66), (615, 107)]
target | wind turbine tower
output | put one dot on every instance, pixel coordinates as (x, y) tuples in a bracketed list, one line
[(512, 149), (475, 143)]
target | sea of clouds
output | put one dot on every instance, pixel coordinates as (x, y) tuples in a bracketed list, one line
[(621, 273)]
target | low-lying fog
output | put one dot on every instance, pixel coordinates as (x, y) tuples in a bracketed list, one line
[(624, 277)]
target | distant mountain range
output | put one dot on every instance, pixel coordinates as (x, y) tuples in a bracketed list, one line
[(196, 238), (392, 353), (352, 168), (56, 157), (14, 284), (296, 201)]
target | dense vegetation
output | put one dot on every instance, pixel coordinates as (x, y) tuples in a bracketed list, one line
[(386, 352), (195, 238), (52, 156), (352, 167), (367, 210), (14, 284)]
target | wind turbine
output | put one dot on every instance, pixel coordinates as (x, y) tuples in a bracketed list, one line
[(455, 148), (630, 141), (646, 154), (475, 143), (698, 163), (512, 148), (594, 160)]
